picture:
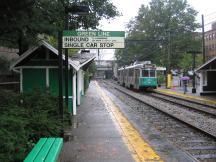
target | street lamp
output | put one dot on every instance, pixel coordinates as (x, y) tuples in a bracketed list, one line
[(194, 63), (79, 9)]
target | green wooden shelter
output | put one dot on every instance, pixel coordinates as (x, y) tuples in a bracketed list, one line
[(38, 69)]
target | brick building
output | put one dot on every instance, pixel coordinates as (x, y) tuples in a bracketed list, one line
[(210, 42)]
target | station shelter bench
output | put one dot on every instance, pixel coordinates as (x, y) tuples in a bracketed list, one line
[(46, 149)]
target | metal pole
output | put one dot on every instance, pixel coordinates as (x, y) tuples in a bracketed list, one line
[(203, 39), (194, 61), (60, 81), (168, 78), (66, 63), (98, 54), (169, 51), (194, 65)]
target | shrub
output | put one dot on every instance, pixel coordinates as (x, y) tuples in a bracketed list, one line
[(24, 119)]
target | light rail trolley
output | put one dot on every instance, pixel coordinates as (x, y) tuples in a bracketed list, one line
[(140, 76)]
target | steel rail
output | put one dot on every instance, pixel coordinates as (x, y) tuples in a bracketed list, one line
[(210, 110), (172, 116)]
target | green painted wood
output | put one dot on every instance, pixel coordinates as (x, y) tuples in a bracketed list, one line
[(34, 79), (70, 105), (70, 82), (54, 84), (53, 81), (34, 152), (55, 150), (44, 150)]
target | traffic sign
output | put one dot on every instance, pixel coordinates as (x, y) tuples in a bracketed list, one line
[(93, 39)]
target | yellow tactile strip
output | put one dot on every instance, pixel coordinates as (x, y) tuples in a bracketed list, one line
[(139, 148), (187, 96)]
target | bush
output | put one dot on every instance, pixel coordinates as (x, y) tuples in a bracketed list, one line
[(24, 119), (161, 80)]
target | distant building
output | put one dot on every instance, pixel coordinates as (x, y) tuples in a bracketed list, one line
[(7, 55), (104, 69), (210, 42), (207, 71)]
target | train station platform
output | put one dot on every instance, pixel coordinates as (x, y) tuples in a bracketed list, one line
[(179, 92), (106, 130), (94, 135)]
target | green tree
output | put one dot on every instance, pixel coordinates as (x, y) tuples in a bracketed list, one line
[(186, 63), (22, 21), (154, 24)]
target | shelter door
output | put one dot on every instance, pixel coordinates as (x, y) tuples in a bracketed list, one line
[(211, 75)]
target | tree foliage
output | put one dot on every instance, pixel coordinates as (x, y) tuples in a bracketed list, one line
[(157, 25), (187, 61), (22, 21), (24, 119)]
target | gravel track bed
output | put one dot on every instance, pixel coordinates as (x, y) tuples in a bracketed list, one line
[(179, 134), (195, 106), (195, 118)]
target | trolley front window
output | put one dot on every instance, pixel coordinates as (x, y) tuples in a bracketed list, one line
[(152, 73), (145, 73), (148, 73)]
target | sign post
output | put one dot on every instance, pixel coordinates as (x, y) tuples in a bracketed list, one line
[(93, 39), (61, 111)]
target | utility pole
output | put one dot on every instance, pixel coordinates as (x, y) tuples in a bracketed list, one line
[(203, 39), (168, 78), (66, 56), (169, 51)]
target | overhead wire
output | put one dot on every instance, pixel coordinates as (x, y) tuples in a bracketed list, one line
[(210, 14)]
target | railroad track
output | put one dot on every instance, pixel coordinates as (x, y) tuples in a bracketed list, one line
[(185, 125), (191, 104)]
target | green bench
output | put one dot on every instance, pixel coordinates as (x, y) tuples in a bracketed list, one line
[(46, 149)]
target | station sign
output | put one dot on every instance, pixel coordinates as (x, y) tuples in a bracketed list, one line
[(93, 39)]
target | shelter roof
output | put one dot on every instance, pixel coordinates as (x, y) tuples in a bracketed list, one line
[(210, 64), (76, 63), (81, 59)]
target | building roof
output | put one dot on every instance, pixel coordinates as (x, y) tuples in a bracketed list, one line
[(208, 65), (75, 63), (82, 59)]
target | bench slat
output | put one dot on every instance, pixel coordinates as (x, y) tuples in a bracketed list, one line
[(34, 152), (55, 150), (44, 150)]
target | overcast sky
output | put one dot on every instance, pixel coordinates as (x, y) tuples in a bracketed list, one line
[(129, 9)]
